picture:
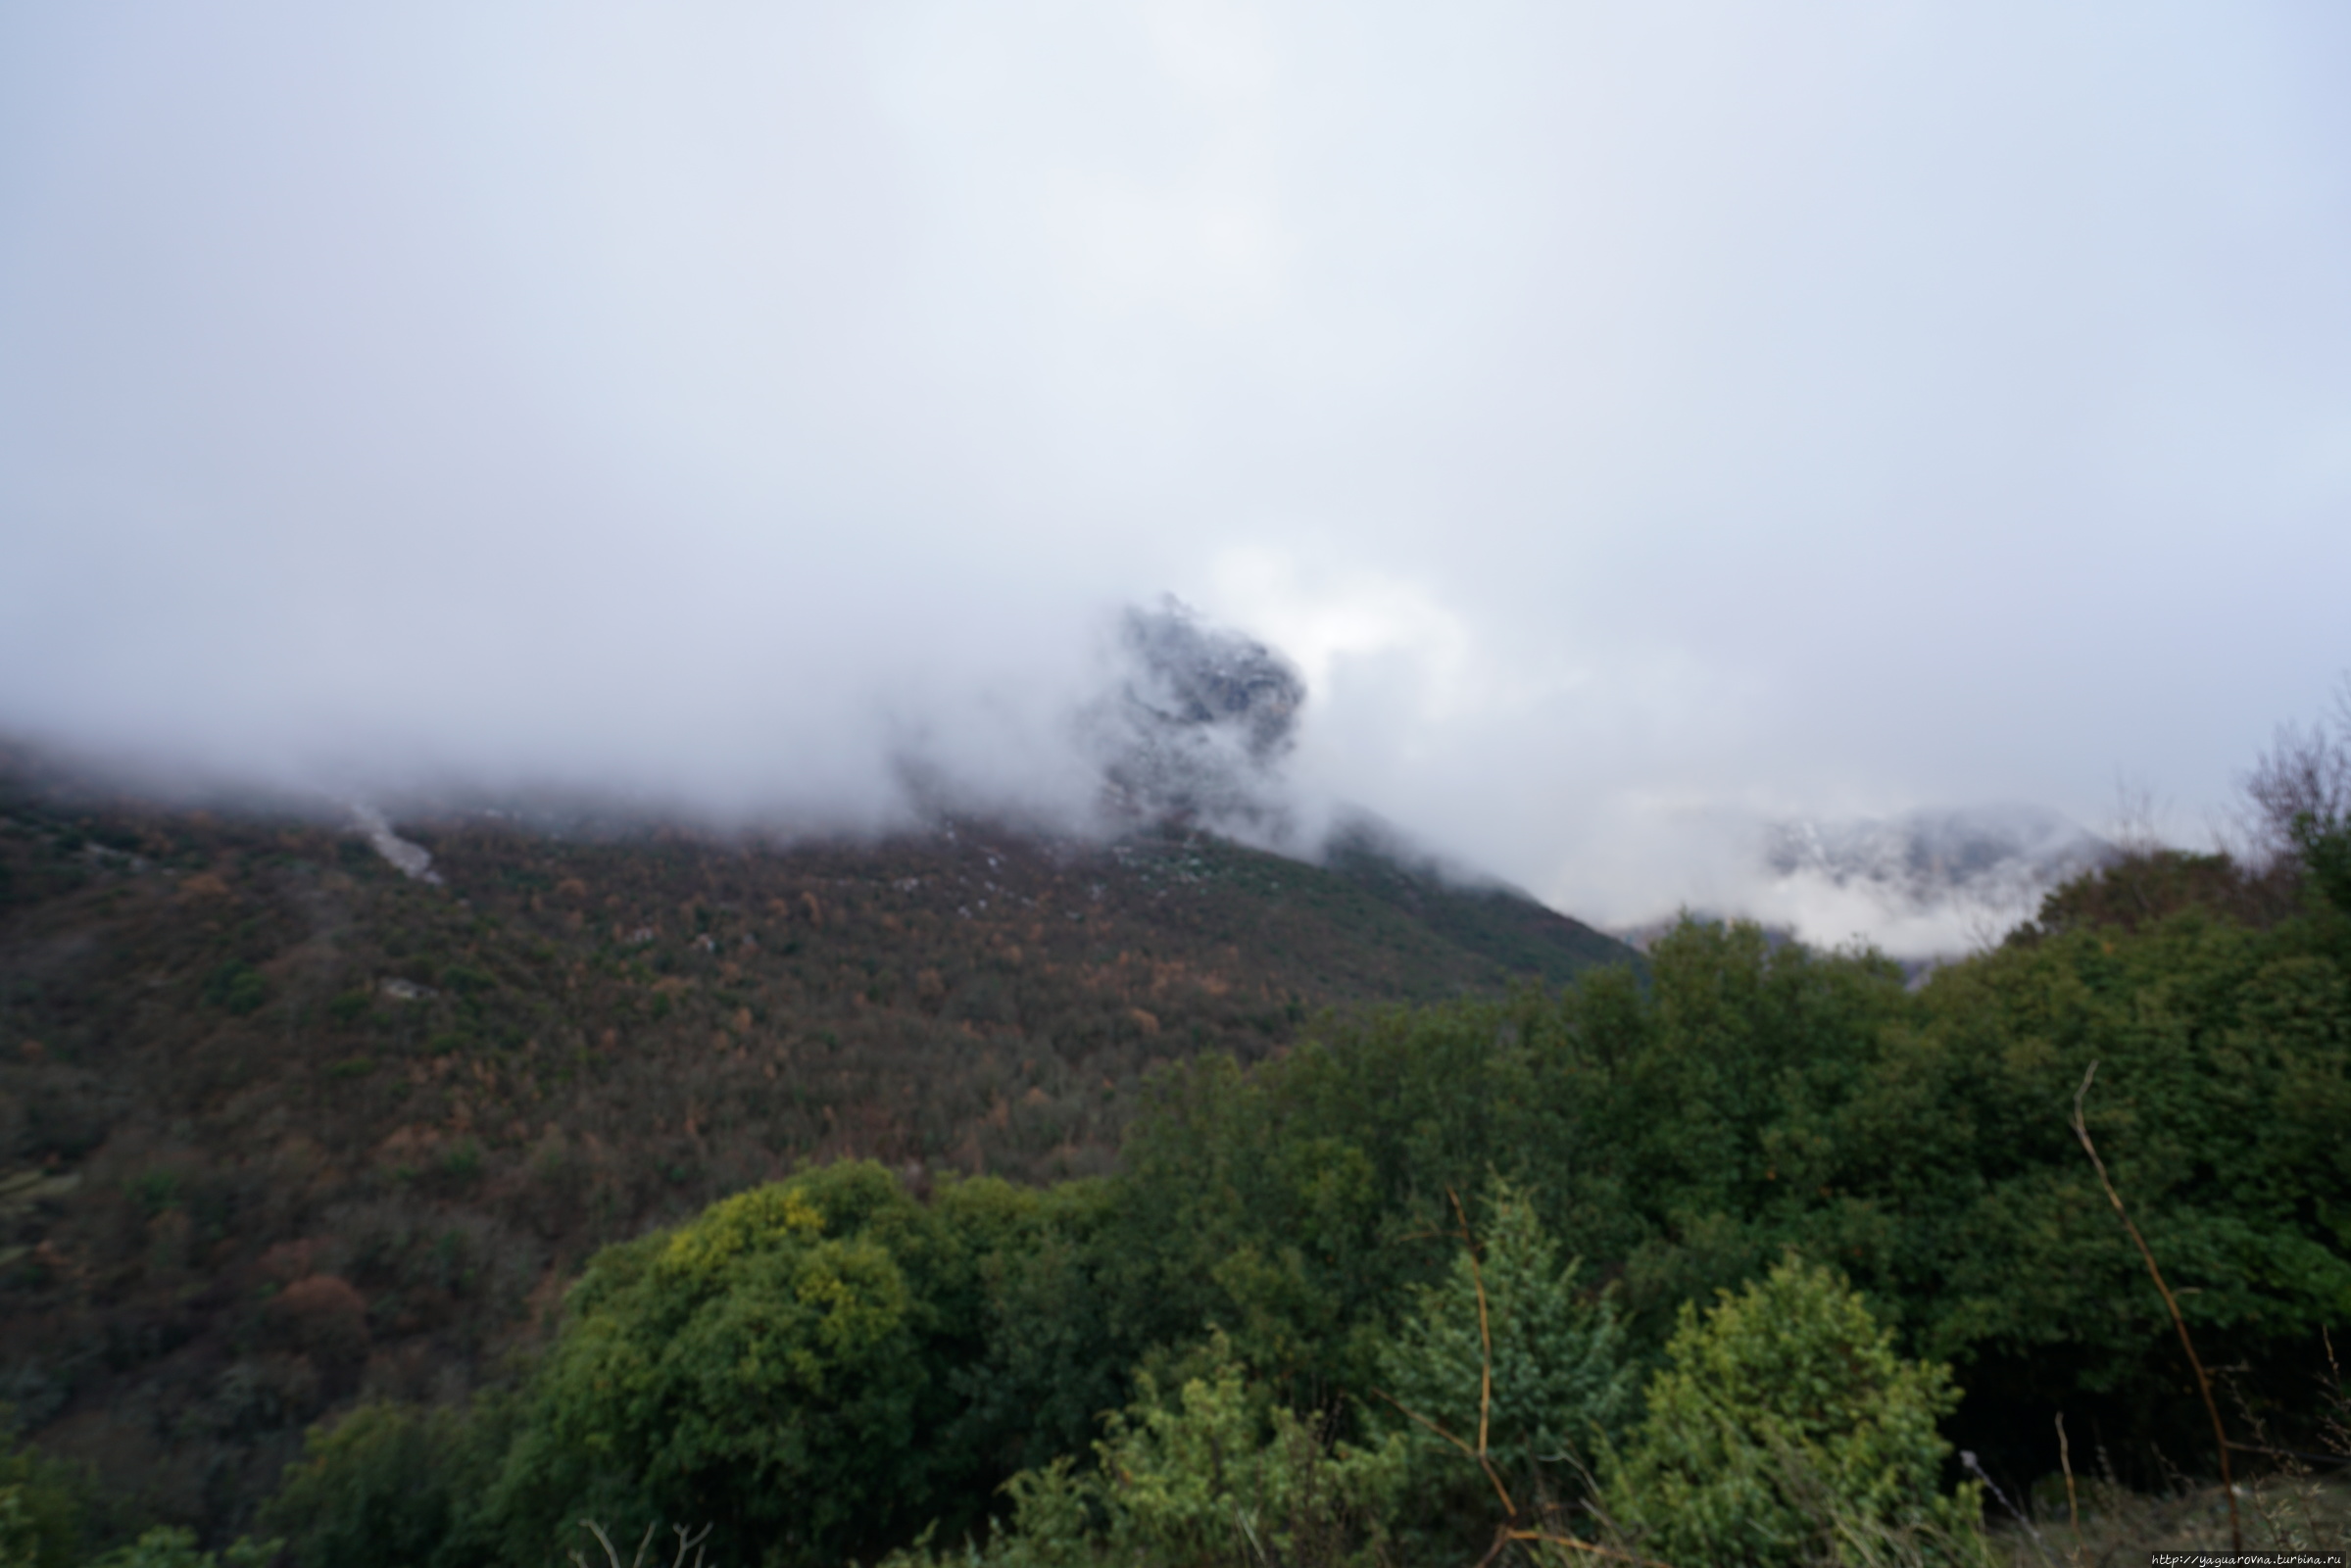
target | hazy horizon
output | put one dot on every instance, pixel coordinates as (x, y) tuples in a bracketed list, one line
[(1635, 426)]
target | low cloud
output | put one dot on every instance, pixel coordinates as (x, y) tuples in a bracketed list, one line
[(1633, 428), (1197, 725)]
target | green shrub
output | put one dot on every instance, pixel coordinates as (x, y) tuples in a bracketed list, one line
[(1221, 1473), (1785, 1429), (42, 1506), (772, 1367), (237, 987), (388, 1486), (1559, 1381)]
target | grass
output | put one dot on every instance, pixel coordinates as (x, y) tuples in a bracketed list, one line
[(2279, 1511)]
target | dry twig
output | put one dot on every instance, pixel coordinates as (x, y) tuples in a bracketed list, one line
[(1477, 1279), (2073, 1502), (687, 1541), (2236, 1534)]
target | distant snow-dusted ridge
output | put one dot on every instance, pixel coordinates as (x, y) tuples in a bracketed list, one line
[(1924, 885), (1987, 856)]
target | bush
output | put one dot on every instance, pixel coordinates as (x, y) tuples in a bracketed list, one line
[(774, 1368), (237, 987), (386, 1487), (1785, 1429), (1220, 1473), (1559, 1381), (42, 1505)]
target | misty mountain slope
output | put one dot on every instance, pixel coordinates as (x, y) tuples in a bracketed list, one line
[(1501, 923), (1921, 888), (1989, 857), (1196, 725), (295, 1126)]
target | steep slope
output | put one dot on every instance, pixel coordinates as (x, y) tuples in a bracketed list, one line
[(1490, 918), (280, 1125)]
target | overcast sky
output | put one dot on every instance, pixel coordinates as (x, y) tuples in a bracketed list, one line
[(1631, 417)]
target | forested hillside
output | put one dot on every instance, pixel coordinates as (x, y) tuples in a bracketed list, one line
[(280, 1125)]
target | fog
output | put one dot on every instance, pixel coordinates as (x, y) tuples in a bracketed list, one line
[(1633, 423)]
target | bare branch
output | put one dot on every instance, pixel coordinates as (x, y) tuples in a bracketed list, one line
[(2303, 773), (2137, 812), (2237, 1535), (1483, 1463), (611, 1556), (1476, 1278), (2073, 1501), (690, 1539)]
